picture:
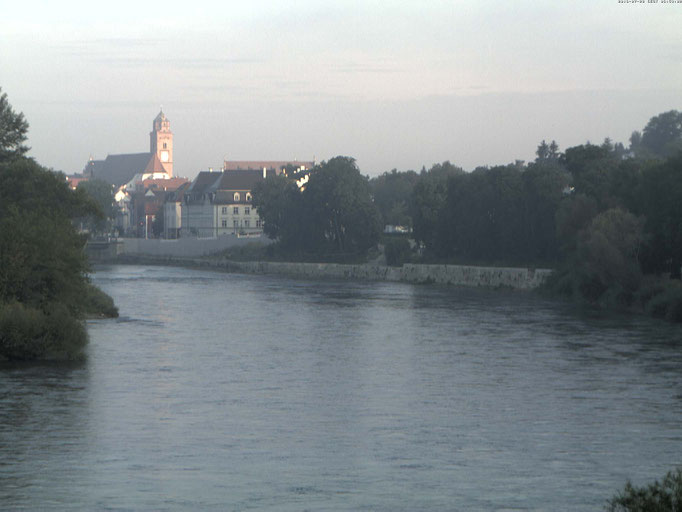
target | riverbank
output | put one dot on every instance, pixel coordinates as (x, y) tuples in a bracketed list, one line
[(456, 275)]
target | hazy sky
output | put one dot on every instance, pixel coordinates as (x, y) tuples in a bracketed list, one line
[(395, 84)]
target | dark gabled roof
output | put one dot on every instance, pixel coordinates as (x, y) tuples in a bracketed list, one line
[(120, 169), (175, 196), (240, 180), (203, 181), (277, 165), (227, 197), (93, 167)]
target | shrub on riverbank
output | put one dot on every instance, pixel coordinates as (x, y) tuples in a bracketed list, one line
[(397, 251), (97, 304), (664, 496), (666, 301), (28, 333)]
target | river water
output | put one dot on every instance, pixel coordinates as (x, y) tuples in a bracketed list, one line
[(217, 391)]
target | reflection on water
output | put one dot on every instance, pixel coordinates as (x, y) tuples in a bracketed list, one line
[(226, 392)]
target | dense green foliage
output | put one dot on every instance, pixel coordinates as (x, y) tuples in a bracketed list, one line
[(334, 215), (44, 288), (602, 215), (102, 194), (663, 496), (397, 251), (392, 193), (13, 128), (662, 136)]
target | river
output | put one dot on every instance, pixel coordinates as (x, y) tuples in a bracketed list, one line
[(217, 391)]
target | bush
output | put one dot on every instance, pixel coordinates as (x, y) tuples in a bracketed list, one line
[(397, 251), (667, 303), (664, 496), (96, 303), (28, 333)]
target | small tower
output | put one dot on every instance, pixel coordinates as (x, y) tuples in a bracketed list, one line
[(161, 141)]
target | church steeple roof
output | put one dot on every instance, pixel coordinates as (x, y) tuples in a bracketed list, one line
[(161, 116)]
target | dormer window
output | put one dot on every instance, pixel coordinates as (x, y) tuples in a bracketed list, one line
[(248, 196), (236, 196)]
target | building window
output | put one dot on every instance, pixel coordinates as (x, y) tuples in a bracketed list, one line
[(248, 196), (246, 223), (224, 210), (259, 223), (235, 210), (236, 196), (224, 223), (165, 146), (247, 210), (235, 223)]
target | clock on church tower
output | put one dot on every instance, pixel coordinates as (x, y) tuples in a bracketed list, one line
[(161, 141)]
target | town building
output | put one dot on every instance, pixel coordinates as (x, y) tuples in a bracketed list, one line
[(151, 202), (142, 180), (220, 203), (121, 169)]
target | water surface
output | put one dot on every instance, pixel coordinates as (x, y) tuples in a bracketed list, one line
[(218, 391)]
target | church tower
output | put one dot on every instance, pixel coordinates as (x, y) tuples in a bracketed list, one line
[(161, 142)]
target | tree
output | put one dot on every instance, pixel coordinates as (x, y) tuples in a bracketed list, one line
[(604, 266), (547, 152), (660, 199), (13, 129), (663, 496), (333, 215), (545, 184), (391, 192), (574, 214), (44, 287), (428, 199), (41, 255), (592, 168), (343, 218), (101, 194), (662, 136), (482, 219), (278, 201)]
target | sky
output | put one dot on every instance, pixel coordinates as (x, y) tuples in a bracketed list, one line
[(394, 84)]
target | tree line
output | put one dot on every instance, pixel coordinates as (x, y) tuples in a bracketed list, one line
[(603, 215)]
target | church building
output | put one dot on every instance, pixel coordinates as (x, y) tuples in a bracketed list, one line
[(123, 169)]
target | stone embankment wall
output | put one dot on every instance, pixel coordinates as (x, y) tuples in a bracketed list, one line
[(459, 275)]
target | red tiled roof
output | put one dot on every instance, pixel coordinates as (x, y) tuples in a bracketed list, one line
[(168, 185), (73, 181), (154, 165)]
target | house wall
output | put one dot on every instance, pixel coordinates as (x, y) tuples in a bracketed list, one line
[(227, 221), (172, 219), (198, 220)]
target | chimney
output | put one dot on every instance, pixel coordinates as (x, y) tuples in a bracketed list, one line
[(264, 173)]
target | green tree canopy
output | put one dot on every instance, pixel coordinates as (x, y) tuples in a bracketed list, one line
[(13, 129), (428, 199), (392, 192), (101, 194), (662, 136), (278, 201), (333, 215), (343, 218)]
